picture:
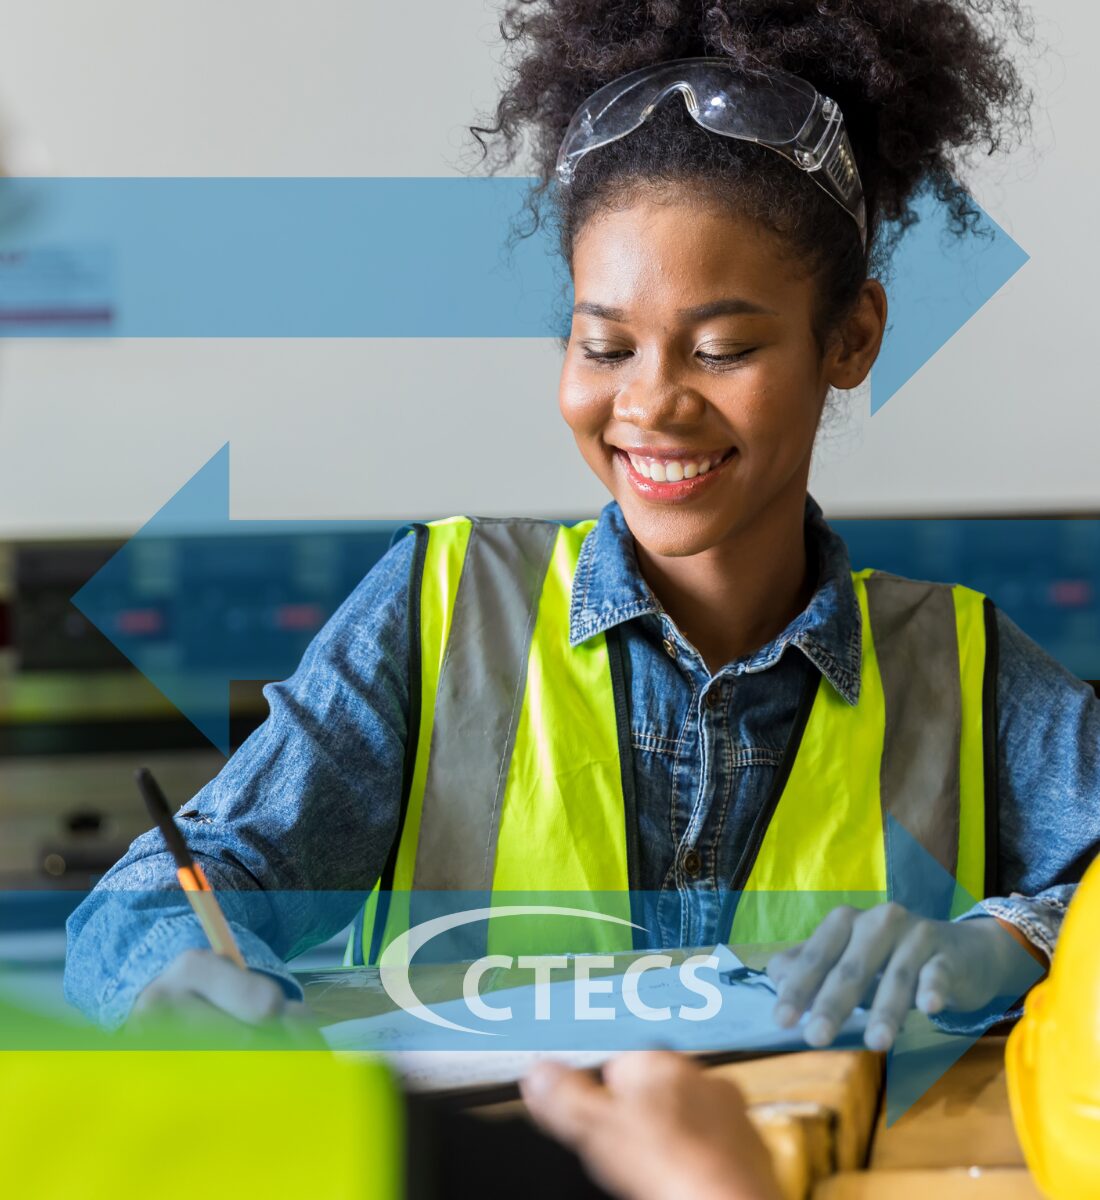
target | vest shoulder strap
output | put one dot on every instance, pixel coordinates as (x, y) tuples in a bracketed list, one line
[(928, 640), (486, 655)]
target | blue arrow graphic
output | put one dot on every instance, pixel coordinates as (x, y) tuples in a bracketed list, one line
[(923, 1051), (371, 258), (939, 282), (288, 258), (925, 1047), (195, 599)]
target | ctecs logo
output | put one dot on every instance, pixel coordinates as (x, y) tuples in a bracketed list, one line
[(394, 973)]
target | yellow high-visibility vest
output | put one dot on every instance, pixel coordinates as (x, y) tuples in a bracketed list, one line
[(519, 776)]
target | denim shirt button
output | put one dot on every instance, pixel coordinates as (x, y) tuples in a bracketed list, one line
[(670, 647), (693, 861), (713, 697)]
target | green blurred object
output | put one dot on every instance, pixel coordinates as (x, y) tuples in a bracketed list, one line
[(178, 1109)]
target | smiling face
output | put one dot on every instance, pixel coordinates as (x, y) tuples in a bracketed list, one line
[(693, 382)]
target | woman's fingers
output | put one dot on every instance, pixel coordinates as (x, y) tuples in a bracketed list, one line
[(875, 935), (186, 1010), (203, 995), (933, 991), (898, 986), (833, 972), (801, 972), (248, 996), (935, 965)]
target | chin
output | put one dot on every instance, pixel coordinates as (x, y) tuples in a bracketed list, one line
[(674, 534)]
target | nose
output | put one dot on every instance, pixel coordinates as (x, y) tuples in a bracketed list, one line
[(653, 396)]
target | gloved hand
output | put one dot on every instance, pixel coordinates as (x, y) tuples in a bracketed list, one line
[(202, 990), (957, 965)]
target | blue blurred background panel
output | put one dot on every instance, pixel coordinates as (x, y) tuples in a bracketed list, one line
[(249, 604), (76, 715), (1044, 573)]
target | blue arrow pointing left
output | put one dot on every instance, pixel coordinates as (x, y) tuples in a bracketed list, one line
[(190, 629), (193, 606)]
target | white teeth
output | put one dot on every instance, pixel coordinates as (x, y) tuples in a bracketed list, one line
[(670, 470)]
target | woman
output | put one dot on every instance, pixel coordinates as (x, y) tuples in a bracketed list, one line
[(694, 699)]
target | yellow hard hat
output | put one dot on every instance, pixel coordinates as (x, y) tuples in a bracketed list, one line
[(1053, 1058)]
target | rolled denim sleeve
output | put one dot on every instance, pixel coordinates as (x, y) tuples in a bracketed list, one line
[(1048, 734), (1048, 801), (292, 833)]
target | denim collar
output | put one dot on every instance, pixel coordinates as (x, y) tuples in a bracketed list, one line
[(608, 589)]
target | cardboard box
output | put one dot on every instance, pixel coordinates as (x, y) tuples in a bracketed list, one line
[(963, 1120), (845, 1082), (801, 1138), (977, 1183)]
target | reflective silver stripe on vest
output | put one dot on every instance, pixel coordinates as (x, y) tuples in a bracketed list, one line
[(477, 705), (916, 643)]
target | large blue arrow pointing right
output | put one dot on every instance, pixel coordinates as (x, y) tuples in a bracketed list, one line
[(938, 283), (373, 257)]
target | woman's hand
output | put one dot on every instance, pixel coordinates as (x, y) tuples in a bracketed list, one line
[(936, 965), (656, 1128), (202, 985)]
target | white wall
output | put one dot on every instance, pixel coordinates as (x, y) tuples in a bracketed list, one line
[(96, 435)]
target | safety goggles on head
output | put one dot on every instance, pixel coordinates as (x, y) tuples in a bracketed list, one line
[(772, 108)]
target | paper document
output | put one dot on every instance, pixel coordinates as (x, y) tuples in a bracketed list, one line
[(450, 1041)]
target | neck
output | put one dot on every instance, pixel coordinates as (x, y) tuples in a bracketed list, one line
[(733, 598)]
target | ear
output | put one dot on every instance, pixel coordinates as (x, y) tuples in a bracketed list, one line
[(856, 343)]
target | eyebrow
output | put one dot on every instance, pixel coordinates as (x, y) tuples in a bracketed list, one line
[(729, 306)]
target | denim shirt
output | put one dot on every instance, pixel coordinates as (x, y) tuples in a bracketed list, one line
[(308, 807)]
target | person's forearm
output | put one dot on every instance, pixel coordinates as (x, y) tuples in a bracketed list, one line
[(112, 922), (293, 831), (1034, 921), (1031, 924), (137, 921), (1022, 939), (1048, 785)]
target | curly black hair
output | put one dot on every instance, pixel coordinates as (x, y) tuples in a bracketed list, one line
[(921, 84)]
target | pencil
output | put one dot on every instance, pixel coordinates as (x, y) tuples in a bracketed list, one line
[(199, 893)]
